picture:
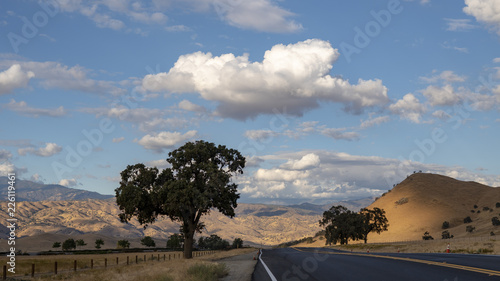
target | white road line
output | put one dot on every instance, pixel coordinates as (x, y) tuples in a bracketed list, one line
[(267, 268)]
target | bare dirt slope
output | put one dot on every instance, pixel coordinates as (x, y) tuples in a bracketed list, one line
[(422, 202)]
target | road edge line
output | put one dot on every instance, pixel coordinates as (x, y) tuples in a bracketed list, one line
[(267, 268)]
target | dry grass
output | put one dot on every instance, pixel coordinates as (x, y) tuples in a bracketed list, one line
[(172, 270)]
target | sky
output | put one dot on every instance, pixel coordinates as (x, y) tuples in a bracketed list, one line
[(327, 100)]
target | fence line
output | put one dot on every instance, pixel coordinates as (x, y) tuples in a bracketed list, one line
[(460, 239), (56, 268)]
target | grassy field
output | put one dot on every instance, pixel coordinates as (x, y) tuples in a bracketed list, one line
[(198, 268)]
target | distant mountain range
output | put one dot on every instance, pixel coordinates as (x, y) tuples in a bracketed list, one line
[(32, 191)]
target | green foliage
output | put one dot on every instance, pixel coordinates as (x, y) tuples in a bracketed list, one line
[(123, 244), (470, 228), (342, 225), (80, 242), (56, 245), (69, 244), (148, 241), (467, 220), (214, 242), (198, 181), (445, 225), (374, 221), (495, 221), (237, 243), (427, 236), (446, 235), (175, 241), (207, 272), (99, 243)]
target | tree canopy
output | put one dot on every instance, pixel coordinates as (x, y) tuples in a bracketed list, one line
[(342, 224), (198, 181), (148, 241)]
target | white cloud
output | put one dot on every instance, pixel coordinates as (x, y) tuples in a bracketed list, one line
[(485, 11), (189, 106), (446, 76), (165, 140), (375, 121), (68, 182), (340, 134), (56, 75), (307, 162), (261, 15), (409, 107), (23, 108), (14, 77), (496, 60), (441, 114), (441, 96), (280, 175), (118, 140), (459, 24), (295, 77), (47, 151)]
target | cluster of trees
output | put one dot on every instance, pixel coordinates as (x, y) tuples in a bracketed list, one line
[(70, 244), (342, 225)]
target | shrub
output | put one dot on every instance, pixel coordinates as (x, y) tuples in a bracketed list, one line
[(470, 228), (472, 211), (446, 225), (497, 205), (467, 220), (122, 244), (446, 235), (478, 211), (427, 236), (475, 206), (486, 208), (56, 245), (495, 221), (402, 201), (492, 233)]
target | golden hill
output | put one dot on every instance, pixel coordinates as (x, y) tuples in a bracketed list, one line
[(422, 202)]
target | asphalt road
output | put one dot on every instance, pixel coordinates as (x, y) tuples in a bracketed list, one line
[(292, 264)]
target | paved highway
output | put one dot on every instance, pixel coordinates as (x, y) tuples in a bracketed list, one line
[(295, 264)]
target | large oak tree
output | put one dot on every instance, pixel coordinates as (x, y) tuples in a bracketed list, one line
[(198, 181)]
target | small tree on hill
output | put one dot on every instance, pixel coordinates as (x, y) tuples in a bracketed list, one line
[(98, 243), (446, 225), (69, 244), (56, 245), (80, 243), (467, 220), (237, 243), (175, 241), (123, 244), (470, 228), (374, 221), (495, 221), (427, 236), (148, 241), (497, 205), (446, 235)]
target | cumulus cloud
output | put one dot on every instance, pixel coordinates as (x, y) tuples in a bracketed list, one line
[(23, 108), (47, 151), (158, 142), (485, 11), (444, 96), (307, 162), (189, 106), (409, 107), (68, 182), (14, 77), (118, 140), (55, 75), (295, 77)]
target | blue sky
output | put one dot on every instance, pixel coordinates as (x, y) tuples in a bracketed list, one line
[(328, 100)]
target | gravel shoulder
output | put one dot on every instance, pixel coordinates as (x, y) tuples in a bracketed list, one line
[(240, 267)]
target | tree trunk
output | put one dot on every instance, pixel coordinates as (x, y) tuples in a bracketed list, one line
[(188, 245)]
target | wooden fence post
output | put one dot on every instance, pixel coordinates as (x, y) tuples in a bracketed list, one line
[(127, 260), (33, 270), (144, 258), (158, 257), (105, 263), (4, 277), (136, 260), (74, 266), (168, 256), (164, 256), (55, 268), (116, 260), (91, 264)]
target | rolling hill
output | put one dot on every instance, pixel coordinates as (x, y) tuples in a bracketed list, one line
[(422, 202)]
